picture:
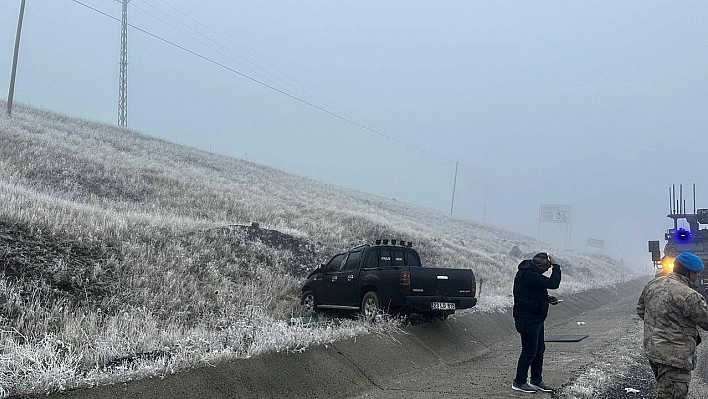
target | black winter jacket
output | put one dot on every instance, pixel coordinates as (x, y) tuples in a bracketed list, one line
[(531, 292)]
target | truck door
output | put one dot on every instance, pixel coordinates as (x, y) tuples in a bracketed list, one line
[(387, 275), (348, 282), (341, 285), (323, 283)]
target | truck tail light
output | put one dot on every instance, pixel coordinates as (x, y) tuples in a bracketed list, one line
[(405, 283), (474, 288)]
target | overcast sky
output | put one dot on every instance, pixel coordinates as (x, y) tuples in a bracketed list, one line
[(600, 105)]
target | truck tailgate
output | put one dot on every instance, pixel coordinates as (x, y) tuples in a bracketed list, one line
[(429, 281)]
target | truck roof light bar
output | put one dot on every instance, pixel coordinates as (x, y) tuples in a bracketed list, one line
[(401, 243)]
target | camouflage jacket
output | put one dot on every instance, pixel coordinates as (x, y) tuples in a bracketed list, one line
[(672, 311)]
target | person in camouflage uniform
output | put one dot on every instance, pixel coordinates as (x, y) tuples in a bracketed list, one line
[(672, 311)]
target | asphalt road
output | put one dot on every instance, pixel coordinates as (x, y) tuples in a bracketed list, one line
[(490, 376)]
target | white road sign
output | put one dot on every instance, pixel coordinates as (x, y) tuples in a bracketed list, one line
[(594, 242), (554, 213)]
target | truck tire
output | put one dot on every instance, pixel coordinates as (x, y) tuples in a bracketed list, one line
[(370, 306), (308, 301)]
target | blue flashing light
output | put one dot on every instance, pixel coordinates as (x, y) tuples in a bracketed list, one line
[(682, 235)]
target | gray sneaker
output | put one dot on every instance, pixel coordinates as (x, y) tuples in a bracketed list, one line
[(541, 386), (524, 387)]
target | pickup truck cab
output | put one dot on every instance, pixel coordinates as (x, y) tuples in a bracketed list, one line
[(369, 278)]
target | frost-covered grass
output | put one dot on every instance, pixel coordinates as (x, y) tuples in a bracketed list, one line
[(163, 283)]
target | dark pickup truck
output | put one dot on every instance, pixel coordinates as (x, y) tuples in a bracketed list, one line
[(369, 278)]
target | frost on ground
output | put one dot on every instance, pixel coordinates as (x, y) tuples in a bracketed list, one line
[(125, 255), (615, 368), (621, 371)]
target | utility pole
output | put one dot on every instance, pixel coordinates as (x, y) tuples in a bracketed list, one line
[(123, 81), (486, 192), (11, 93), (454, 186)]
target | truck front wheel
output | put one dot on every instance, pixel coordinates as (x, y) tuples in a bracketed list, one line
[(370, 306), (308, 301)]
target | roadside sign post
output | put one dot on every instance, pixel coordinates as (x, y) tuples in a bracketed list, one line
[(556, 213), (595, 243)]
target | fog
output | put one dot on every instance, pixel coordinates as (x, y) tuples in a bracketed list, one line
[(599, 105)]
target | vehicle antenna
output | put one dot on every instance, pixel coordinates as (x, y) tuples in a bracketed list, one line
[(674, 205), (670, 206)]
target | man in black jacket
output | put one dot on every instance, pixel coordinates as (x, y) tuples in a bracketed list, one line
[(531, 301)]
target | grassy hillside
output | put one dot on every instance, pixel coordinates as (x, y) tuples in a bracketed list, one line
[(124, 255)]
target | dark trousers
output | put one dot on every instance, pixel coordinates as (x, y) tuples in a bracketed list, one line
[(671, 382), (532, 348)]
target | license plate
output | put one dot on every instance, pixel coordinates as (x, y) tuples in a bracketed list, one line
[(442, 305)]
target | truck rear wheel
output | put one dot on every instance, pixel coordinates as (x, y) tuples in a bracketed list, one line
[(370, 306)]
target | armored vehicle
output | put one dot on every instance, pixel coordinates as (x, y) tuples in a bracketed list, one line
[(685, 236)]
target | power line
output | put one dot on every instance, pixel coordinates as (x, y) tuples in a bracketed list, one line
[(475, 173), (256, 57), (204, 44), (280, 79), (274, 76), (327, 102), (269, 86), (281, 91), (467, 168)]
